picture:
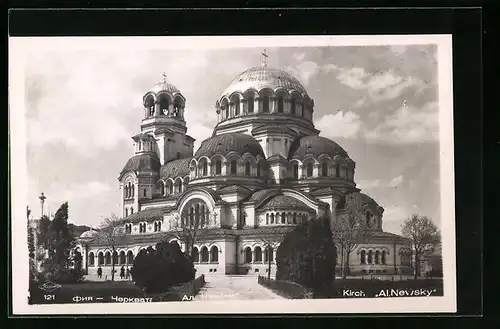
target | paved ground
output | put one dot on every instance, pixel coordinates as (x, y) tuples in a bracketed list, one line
[(244, 287)]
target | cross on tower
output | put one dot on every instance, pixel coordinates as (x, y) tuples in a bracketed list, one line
[(264, 58), (164, 77)]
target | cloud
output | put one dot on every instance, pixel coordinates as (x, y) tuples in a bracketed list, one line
[(381, 85), (395, 213), (396, 181), (341, 124), (299, 56), (305, 71), (408, 125), (72, 192), (368, 184)]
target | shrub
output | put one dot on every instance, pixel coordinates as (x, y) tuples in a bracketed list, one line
[(307, 256), (156, 270), (287, 289)]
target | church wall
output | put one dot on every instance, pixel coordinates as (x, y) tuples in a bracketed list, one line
[(251, 220), (230, 256)]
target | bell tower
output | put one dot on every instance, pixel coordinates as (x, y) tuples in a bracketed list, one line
[(164, 107)]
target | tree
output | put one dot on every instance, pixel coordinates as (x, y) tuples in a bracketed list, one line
[(111, 234), (422, 233), (188, 230), (158, 269), (307, 256), (57, 240), (269, 244), (349, 230)]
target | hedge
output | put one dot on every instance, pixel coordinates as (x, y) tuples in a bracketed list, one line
[(287, 289)]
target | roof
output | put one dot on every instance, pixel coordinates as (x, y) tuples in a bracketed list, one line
[(388, 235), (147, 215), (316, 146), (285, 202), (142, 162), (231, 142), (175, 168), (261, 77)]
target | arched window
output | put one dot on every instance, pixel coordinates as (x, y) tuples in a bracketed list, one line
[(195, 255), (363, 257), (234, 168), (272, 218), (226, 110), (204, 254), (382, 260), (248, 255), (370, 257), (122, 257), (126, 212), (265, 104), (237, 106), (295, 218), (170, 188), (283, 218), (108, 258), (293, 106), (131, 210), (115, 257), (145, 193), (162, 189), (324, 169), (309, 170), (159, 226), (337, 170), (218, 167), (377, 257), (280, 104), (100, 259), (140, 145), (91, 259), (267, 219), (247, 168), (295, 171), (257, 254), (368, 217), (214, 253), (250, 104), (133, 190), (204, 168), (347, 172), (163, 105), (130, 257)]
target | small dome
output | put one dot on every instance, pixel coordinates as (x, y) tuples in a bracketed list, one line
[(316, 146), (285, 202), (142, 162), (88, 234), (175, 168), (164, 86), (261, 77), (231, 142)]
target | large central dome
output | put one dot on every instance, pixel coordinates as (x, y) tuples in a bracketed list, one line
[(258, 78)]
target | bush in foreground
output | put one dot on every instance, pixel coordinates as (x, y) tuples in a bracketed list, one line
[(156, 270), (307, 256)]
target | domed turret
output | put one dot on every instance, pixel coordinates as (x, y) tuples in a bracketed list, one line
[(316, 146), (87, 235), (164, 99)]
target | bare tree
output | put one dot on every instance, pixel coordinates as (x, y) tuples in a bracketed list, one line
[(349, 230), (270, 244), (189, 230), (111, 234), (423, 235)]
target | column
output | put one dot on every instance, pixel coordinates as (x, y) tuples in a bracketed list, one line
[(170, 109), (157, 108), (273, 105), (317, 170), (287, 106), (263, 252)]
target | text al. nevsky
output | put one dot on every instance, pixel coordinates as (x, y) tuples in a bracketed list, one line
[(391, 293)]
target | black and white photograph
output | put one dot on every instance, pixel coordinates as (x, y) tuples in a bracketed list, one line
[(297, 174)]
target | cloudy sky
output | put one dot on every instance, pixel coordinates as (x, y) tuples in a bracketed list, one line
[(378, 102)]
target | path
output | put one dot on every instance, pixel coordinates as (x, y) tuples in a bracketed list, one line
[(237, 287)]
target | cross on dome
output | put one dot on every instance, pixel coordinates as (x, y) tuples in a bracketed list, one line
[(264, 58), (164, 77)]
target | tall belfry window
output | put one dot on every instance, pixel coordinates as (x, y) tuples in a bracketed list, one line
[(237, 106), (324, 169), (280, 104), (250, 105), (309, 170), (218, 167), (226, 110), (265, 104), (247, 168), (204, 168), (234, 168), (163, 105), (293, 106), (337, 171)]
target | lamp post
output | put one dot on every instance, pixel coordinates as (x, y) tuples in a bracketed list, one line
[(42, 198)]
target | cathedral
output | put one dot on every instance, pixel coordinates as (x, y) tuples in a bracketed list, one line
[(264, 170)]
